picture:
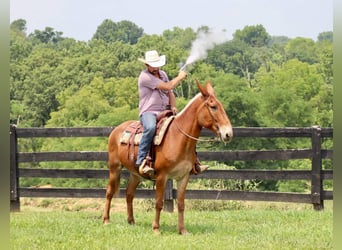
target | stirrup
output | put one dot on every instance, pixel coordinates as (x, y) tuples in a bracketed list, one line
[(202, 168), (198, 168), (145, 169)]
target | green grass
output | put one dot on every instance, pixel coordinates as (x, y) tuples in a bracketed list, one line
[(259, 227)]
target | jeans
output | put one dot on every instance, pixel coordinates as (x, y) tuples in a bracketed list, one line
[(149, 122)]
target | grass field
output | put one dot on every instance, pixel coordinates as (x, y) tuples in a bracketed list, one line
[(77, 224)]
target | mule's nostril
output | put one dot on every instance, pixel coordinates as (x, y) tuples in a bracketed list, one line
[(227, 136)]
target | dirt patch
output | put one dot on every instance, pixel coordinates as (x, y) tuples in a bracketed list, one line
[(69, 204), (146, 205)]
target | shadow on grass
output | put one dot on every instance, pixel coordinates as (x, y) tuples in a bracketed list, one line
[(171, 227), (194, 223)]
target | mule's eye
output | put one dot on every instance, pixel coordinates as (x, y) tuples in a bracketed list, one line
[(213, 108)]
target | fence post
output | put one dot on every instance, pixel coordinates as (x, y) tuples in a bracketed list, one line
[(168, 196), (316, 171), (14, 171)]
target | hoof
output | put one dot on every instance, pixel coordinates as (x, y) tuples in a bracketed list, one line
[(106, 222), (184, 232), (131, 221), (156, 231)]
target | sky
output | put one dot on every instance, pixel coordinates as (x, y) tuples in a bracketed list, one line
[(79, 19)]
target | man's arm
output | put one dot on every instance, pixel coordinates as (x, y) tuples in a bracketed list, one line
[(173, 83), (173, 102), (172, 99)]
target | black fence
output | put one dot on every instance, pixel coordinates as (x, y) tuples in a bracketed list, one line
[(316, 174)]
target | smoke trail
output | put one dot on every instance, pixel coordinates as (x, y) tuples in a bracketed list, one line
[(204, 42)]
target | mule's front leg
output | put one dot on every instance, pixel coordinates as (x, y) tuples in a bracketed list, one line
[(130, 191), (160, 189), (181, 188)]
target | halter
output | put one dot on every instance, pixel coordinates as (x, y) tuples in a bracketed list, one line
[(198, 139), (212, 116)]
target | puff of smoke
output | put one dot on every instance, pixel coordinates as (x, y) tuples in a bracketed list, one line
[(205, 41)]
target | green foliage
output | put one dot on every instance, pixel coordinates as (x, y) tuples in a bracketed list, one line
[(220, 184), (124, 31), (326, 60), (294, 186), (255, 36), (82, 108), (19, 26), (303, 49), (325, 36), (288, 93), (181, 38), (302, 186), (46, 36)]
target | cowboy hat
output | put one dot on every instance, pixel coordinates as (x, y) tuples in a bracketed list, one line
[(153, 59)]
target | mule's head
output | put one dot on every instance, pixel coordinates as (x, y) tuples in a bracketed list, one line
[(212, 115)]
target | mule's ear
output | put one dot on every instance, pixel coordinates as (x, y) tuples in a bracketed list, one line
[(210, 88), (202, 89)]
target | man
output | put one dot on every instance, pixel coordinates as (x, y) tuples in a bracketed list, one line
[(155, 94)]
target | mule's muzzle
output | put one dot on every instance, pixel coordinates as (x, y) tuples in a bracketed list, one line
[(225, 133)]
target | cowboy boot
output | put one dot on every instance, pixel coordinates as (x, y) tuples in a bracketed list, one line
[(145, 168), (198, 168)]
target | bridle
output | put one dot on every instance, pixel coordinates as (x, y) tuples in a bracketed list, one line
[(211, 115), (198, 139)]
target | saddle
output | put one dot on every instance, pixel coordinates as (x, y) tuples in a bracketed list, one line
[(133, 133)]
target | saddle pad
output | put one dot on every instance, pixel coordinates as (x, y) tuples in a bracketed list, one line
[(158, 138)]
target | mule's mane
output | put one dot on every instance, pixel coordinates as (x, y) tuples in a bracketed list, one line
[(189, 104)]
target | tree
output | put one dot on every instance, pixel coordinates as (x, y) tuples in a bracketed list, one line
[(124, 31), (46, 36), (239, 100), (181, 38), (255, 36), (19, 26), (288, 94), (20, 47), (278, 40), (325, 55), (82, 107), (304, 49), (277, 44), (129, 32), (35, 83), (149, 42), (98, 102), (105, 31), (325, 36), (235, 57)]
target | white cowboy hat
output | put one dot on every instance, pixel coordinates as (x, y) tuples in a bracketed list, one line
[(153, 59)]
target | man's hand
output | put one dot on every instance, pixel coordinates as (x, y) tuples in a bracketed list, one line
[(174, 110), (182, 74)]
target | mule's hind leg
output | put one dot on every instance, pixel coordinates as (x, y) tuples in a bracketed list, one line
[(130, 191), (112, 187)]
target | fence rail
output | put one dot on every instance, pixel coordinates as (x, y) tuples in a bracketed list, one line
[(316, 174)]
